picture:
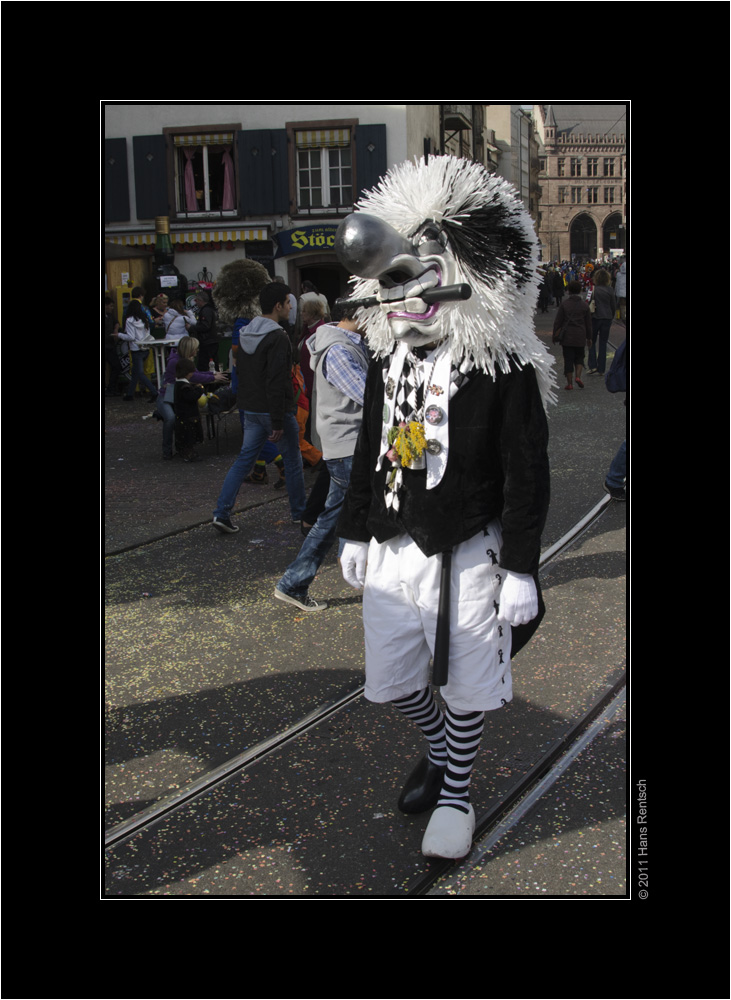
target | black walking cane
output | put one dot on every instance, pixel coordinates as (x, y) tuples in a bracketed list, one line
[(440, 673)]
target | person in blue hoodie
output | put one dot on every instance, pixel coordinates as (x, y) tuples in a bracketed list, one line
[(264, 366)]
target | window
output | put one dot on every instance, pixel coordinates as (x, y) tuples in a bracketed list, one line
[(563, 195), (324, 169), (609, 166), (592, 195), (562, 168), (575, 195), (592, 166), (608, 196), (575, 166), (205, 182)]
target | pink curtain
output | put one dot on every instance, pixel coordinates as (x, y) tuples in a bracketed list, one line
[(191, 203), (229, 201)]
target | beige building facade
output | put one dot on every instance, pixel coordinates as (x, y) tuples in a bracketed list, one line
[(511, 131), (268, 182), (583, 180)]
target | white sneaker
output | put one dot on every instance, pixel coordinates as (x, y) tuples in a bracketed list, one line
[(449, 833)]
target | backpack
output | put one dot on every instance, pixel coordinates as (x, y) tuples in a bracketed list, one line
[(616, 377), (220, 401)]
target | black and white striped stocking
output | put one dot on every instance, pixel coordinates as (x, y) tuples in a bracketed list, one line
[(464, 732), (422, 709)]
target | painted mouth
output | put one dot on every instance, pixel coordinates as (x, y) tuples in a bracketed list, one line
[(400, 294)]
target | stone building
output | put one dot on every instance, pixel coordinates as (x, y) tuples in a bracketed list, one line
[(583, 180)]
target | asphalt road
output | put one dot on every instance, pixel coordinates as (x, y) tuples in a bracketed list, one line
[(202, 665)]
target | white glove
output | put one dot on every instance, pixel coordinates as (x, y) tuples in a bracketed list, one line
[(353, 563), (518, 599)]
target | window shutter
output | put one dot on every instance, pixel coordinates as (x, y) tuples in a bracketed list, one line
[(116, 181), (150, 164), (280, 169), (263, 171), (370, 156)]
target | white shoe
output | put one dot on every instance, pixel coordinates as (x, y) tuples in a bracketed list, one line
[(449, 833)]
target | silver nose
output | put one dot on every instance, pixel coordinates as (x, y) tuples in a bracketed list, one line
[(366, 245)]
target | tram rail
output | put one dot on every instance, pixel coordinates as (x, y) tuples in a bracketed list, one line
[(148, 818)]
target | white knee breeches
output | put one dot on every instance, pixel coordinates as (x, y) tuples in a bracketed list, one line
[(400, 603)]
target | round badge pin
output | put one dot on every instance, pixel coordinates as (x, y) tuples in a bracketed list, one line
[(434, 415)]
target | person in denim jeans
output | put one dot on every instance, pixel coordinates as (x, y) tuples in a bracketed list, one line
[(136, 331), (601, 322), (340, 362), (264, 363)]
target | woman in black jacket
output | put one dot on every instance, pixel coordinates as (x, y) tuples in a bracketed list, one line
[(572, 329)]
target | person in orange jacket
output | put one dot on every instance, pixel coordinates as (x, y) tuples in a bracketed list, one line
[(310, 453)]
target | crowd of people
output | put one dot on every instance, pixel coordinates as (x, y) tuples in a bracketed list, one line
[(558, 275), (588, 298), (301, 370), (274, 361), (194, 338)]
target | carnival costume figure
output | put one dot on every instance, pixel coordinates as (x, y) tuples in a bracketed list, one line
[(450, 483)]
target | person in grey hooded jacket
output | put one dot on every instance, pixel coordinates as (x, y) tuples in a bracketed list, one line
[(265, 395), (340, 362)]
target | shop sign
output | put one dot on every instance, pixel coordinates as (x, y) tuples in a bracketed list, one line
[(305, 238)]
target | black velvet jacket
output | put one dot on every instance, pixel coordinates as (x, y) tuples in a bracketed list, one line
[(497, 467)]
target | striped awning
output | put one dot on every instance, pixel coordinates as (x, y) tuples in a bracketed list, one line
[(318, 138), (199, 236), (205, 139), (219, 236)]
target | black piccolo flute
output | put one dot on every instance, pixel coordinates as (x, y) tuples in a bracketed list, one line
[(442, 293)]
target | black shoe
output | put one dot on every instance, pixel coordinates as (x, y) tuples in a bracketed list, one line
[(224, 525), (422, 787), (305, 603), (258, 476), (616, 492)]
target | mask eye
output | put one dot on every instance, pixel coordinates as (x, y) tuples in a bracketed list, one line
[(429, 240)]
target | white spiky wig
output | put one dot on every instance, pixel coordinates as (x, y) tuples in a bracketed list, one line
[(493, 240)]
